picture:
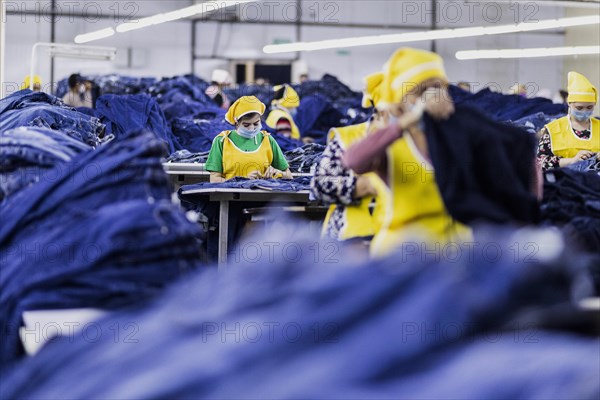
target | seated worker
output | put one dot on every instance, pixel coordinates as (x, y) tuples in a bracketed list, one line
[(284, 107), (79, 94), (220, 80), (576, 136), (349, 217), (37, 83), (246, 151)]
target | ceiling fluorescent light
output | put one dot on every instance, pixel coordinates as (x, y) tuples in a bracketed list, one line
[(186, 12), (528, 53), (96, 35), (440, 34), (557, 3)]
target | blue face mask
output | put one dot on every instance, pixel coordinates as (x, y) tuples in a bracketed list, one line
[(582, 116), (248, 133)]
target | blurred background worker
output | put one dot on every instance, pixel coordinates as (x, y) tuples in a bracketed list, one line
[(220, 80), (284, 107), (80, 92), (37, 83), (576, 136)]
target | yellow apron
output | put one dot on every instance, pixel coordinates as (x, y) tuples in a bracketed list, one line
[(237, 162), (276, 115), (358, 221), (564, 142), (417, 213)]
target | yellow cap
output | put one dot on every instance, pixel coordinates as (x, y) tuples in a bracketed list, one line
[(372, 91), (242, 106), (581, 89), (406, 69), (290, 98), (27, 82)]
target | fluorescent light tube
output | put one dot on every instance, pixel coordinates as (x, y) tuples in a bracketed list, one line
[(96, 35), (440, 34), (527, 53)]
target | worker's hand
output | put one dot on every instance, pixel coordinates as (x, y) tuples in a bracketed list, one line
[(272, 173), (255, 175), (437, 103), (308, 140), (364, 188), (583, 155)]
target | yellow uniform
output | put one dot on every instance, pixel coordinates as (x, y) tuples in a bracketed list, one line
[(564, 142), (358, 221), (237, 162), (417, 212)]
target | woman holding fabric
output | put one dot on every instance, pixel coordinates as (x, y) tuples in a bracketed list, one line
[(575, 137), (483, 169), (284, 106), (349, 217), (247, 151)]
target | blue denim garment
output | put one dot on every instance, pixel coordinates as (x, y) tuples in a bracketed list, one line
[(125, 113), (302, 159), (282, 326), (483, 168), (283, 185), (501, 107), (184, 156), (534, 123), (27, 155), (197, 134), (589, 165), (101, 232), (26, 108)]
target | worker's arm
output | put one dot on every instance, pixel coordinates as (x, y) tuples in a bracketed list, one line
[(217, 177)]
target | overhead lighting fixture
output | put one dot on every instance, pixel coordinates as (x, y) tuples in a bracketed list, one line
[(528, 53), (96, 35), (186, 12), (440, 34)]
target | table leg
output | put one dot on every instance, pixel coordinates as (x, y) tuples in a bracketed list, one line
[(223, 232)]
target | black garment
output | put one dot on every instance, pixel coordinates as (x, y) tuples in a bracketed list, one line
[(484, 169)]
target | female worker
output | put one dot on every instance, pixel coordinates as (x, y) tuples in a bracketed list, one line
[(575, 137), (246, 151), (284, 106), (480, 181), (400, 154), (349, 217)]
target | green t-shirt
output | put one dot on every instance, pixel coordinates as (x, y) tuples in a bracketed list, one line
[(215, 157)]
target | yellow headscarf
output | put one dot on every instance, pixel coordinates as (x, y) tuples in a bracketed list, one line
[(242, 106), (581, 89), (372, 91), (27, 81), (406, 69), (290, 98)]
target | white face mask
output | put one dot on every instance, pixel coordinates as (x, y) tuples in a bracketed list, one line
[(248, 133)]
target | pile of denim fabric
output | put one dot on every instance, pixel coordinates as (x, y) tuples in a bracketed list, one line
[(572, 201), (83, 226), (27, 108), (476, 326), (110, 84), (530, 114)]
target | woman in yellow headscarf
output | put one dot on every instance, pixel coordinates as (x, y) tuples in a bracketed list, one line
[(349, 217), (575, 137), (284, 105), (414, 82), (247, 151)]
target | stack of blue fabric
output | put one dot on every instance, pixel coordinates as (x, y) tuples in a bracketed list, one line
[(27, 108), (111, 84), (87, 228), (282, 326)]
